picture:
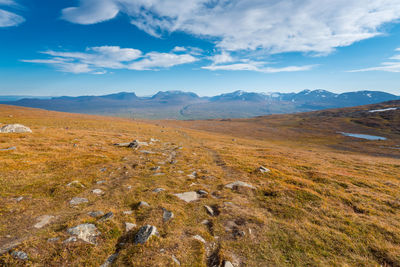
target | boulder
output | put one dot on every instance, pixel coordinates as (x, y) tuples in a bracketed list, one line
[(145, 233), (15, 128), (86, 232), (239, 184)]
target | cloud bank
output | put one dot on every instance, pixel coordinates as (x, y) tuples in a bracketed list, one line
[(276, 26), (7, 18), (393, 65), (97, 60)]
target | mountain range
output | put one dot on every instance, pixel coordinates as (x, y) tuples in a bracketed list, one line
[(188, 105)]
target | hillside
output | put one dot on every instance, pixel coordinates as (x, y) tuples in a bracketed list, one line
[(324, 200), (187, 105)]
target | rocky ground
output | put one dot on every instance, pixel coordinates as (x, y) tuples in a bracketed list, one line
[(92, 191)]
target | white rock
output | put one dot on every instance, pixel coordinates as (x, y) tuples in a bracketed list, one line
[(188, 196), (76, 183), (199, 238), (15, 128), (228, 264), (20, 255), (78, 200), (129, 226), (127, 212), (98, 191), (43, 221), (143, 204), (86, 232), (209, 210), (239, 184), (176, 260), (262, 169)]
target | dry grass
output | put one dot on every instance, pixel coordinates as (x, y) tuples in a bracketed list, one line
[(319, 205)]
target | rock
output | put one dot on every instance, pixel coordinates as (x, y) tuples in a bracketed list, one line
[(180, 172), (144, 234), (98, 192), (143, 204), (129, 226), (8, 149), (106, 216), (18, 199), (199, 238), (209, 210), (202, 192), (70, 240), (15, 128), (146, 152), (19, 255), (53, 239), (86, 232), (110, 260), (43, 221), (176, 260), (228, 264), (154, 140), (158, 190), (157, 168), (133, 144), (103, 169), (192, 175), (188, 196), (78, 200), (159, 174), (100, 182), (167, 215), (76, 183), (262, 169), (127, 212), (95, 214), (239, 184)]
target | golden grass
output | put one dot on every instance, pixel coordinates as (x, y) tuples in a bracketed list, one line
[(319, 205)]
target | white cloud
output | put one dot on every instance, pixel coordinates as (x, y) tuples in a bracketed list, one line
[(7, 18), (155, 60), (179, 49), (275, 26), (389, 66), (256, 66), (96, 60)]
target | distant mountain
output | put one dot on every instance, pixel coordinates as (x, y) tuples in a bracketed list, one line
[(188, 105)]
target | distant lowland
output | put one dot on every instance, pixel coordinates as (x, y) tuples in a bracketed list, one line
[(188, 105)]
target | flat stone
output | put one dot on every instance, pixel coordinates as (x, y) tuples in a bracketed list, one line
[(86, 232), (15, 128), (106, 216), (209, 210), (76, 183), (199, 238), (188, 196), (228, 264), (158, 190), (95, 214), (43, 221), (129, 226), (53, 239), (145, 233), (127, 212), (98, 192), (18, 199), (110, 260), (19, 255), (100, 182), (78, 200), (167, 215), (239, 184)]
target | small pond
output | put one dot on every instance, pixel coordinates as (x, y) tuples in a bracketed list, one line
[(364, 136)]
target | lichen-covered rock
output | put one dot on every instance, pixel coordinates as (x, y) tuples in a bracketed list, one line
[(86, 232), (15, 128), (144, 234)]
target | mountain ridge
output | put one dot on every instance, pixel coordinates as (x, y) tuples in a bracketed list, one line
[(188, 105)]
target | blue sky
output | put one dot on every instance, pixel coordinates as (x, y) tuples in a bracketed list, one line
[(209, 47)]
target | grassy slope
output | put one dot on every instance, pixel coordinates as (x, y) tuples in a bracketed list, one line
[(319, 205)]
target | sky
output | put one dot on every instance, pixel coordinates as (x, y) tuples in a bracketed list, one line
[(94, 47)]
